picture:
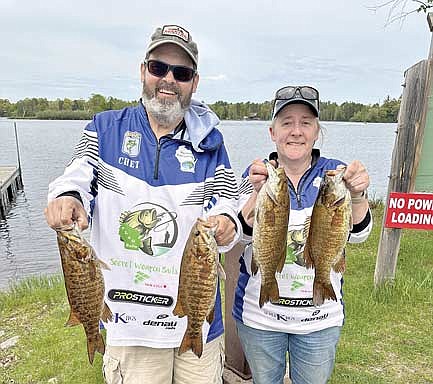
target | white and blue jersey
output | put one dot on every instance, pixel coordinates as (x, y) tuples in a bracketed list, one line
[(143, 195), (295, 312)]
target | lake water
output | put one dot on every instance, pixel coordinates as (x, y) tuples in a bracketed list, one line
[(28, 246)]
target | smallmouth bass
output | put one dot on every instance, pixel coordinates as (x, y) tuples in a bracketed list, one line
[(198, 284), (329, 227), (85, 287), (271, 220)]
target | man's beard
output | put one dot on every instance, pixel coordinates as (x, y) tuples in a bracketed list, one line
[(166, 112)]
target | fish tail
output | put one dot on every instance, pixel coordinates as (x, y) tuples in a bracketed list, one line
[(95, 345), (194, 343), (107, 315), (269, 292), (322, 291)]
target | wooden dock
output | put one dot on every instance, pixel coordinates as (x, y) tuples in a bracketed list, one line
[(10, 183)]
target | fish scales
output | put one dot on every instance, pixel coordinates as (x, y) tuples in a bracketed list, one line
[(197, 284), (85, 288), (271, 218), (329, 227)]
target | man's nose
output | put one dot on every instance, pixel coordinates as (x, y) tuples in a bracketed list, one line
[(169, 76)]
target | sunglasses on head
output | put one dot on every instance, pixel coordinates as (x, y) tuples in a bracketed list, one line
[(290, 92), (160, 69), (295, 92)]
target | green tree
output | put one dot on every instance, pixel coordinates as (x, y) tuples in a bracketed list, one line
[(5, 107), (97, 103)]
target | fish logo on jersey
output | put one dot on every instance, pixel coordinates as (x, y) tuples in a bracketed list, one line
[(131, 143), (148, 227)]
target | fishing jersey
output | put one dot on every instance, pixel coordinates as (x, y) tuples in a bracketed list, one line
[(295, 312), (143, 196)]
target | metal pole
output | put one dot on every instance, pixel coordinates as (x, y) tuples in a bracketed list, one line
[(18, 150)]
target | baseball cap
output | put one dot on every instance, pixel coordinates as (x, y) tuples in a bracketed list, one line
[(174, 34), (301, 94)]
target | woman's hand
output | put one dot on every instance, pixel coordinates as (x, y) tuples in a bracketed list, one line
[(356, 178)]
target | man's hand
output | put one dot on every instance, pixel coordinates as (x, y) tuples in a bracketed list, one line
[(226, 230), (63, 211)]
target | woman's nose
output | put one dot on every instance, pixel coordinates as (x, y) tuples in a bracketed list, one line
[(296, 129)]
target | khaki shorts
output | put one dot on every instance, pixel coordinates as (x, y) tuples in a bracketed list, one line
[(141, 365)]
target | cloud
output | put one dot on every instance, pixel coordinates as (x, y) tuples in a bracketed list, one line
[(219, 77), (53, 48)]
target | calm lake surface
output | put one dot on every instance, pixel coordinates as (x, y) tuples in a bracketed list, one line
[(28, 246)]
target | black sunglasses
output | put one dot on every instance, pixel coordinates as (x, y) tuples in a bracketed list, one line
[(310, 94), (160, 69), (290, 92)]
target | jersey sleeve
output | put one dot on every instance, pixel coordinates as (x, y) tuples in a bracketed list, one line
[(81, 173)]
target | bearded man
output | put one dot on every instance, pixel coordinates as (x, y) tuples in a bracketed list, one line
[(142, 176)]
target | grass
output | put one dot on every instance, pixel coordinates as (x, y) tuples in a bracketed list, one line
[(386, 339), (47, 352), (387, 336)]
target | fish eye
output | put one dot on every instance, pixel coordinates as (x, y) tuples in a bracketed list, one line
[(196, 233)]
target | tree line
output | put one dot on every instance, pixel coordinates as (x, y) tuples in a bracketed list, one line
[(79, 109)]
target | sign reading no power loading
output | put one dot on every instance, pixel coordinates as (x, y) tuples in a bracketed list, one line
[(410, 210)]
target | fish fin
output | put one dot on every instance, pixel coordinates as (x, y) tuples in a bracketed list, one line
[(256, 215), (269, 293), (254, 267), (220, 271), (195, 344), (93, 346), (308, 257), (282, 260), (271, 193), (178, 309), (211, 315), (251, 214), (322, 291), (340, 265), (102, 264), (147, 246), (106, 315), (307, 224), (73, 319)]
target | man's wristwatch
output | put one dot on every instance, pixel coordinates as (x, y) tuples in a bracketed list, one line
[(362, 197)]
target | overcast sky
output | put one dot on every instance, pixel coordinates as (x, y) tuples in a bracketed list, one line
[(247, 49)]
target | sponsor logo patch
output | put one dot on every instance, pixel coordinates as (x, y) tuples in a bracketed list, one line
[(295, 302), (125, 296), (175, 30), (131, 143), (123, 318), (316, 318)]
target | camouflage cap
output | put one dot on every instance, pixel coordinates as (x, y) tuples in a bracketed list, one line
[(174, 34)]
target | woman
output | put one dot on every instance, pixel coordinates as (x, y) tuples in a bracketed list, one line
[(308, 333)]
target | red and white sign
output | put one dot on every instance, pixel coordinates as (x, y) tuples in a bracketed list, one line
[(410, 210)]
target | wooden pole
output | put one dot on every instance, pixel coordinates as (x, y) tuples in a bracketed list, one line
[(410, 128), (430, 25), (406, 154)]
